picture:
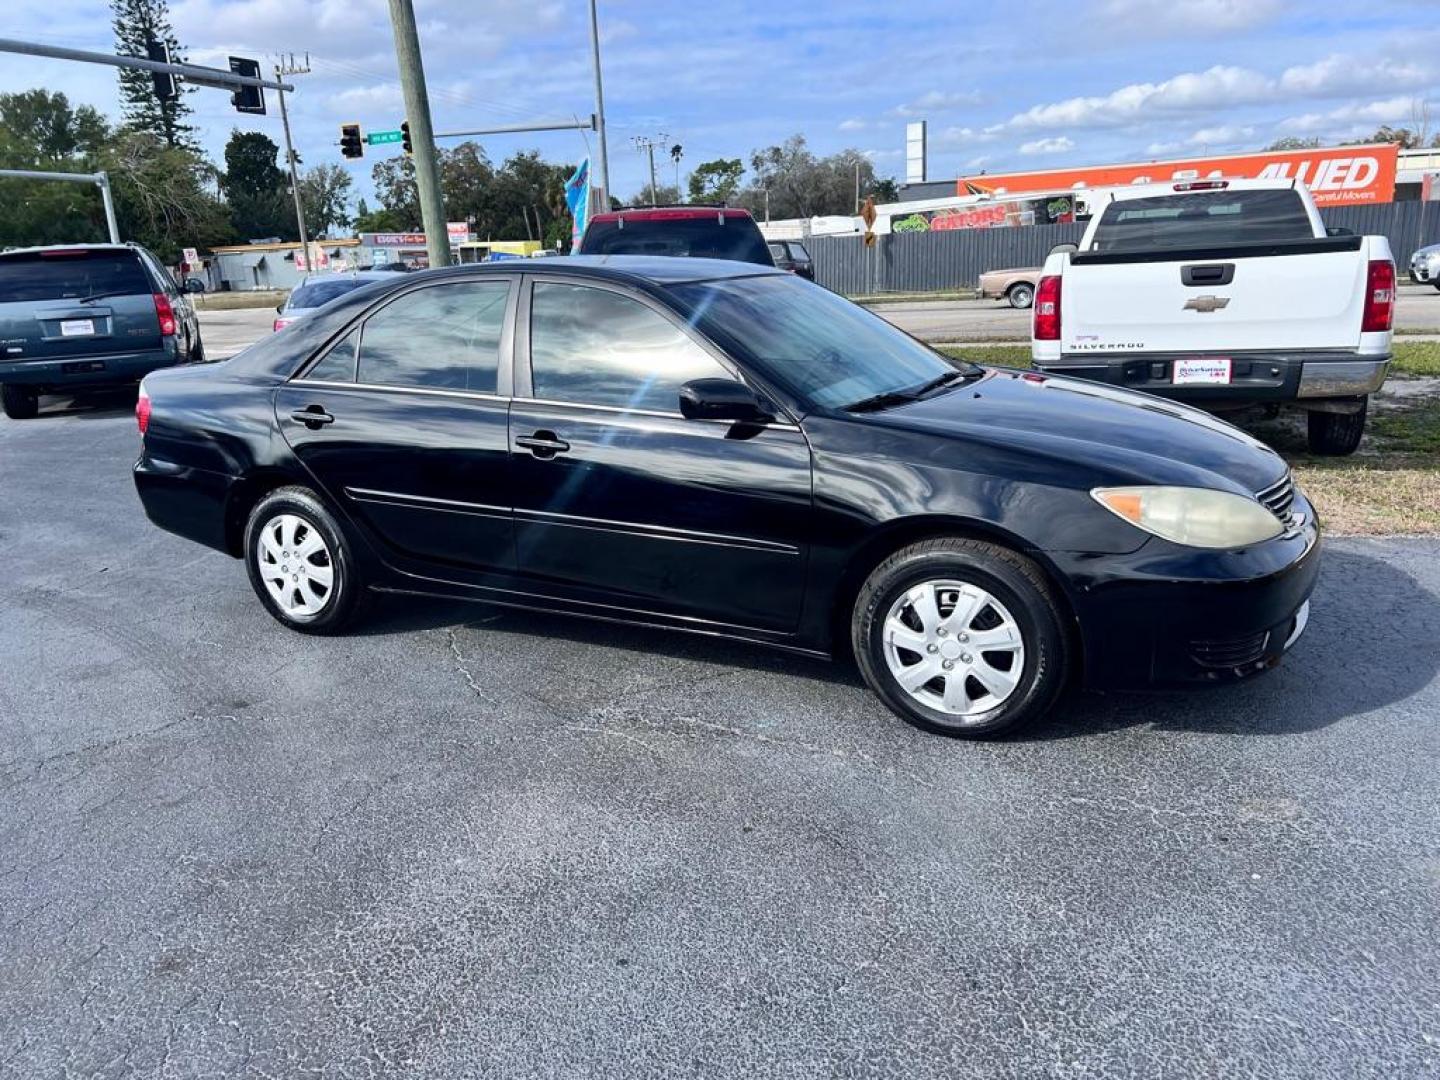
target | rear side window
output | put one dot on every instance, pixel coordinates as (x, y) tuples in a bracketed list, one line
[(738, 238), (797, 251), (1203, 219), (597, 347), (71, 276), (445, 337), (337, 365)]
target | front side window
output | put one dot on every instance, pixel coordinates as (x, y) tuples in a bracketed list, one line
[(443, 337), (596, 347), (822, 348)]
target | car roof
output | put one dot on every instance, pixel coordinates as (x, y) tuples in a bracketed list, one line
[(346, 275), (653, 270), (41, 249), (671, 213)]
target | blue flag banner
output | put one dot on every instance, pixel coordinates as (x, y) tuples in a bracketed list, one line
[(577, 198)]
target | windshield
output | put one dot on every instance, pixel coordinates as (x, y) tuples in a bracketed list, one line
[(71, 275), (1203, 219), (825, 350), (704, 237), (319, 293)]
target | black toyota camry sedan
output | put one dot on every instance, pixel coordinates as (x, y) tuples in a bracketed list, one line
[(721, 448)]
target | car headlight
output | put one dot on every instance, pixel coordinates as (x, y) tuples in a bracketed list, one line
[(1196, 517)]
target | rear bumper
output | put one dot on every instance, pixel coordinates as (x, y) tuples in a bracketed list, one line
[(184, 500), (1256, 377), (1171, 616), (83, 372)]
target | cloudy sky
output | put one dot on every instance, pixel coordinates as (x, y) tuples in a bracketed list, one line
[(1021, 84)]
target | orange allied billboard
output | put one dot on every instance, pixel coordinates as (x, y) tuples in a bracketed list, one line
[(1335, 175)]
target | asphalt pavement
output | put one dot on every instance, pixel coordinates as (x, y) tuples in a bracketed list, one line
[(969, 321), (469, 842)]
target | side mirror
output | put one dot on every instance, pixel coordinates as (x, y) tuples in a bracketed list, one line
[(722, 399), (1064, 249), (194, 285), (279, 309)]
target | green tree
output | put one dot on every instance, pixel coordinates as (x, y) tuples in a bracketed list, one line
[(166, 197), (256, 188), (325, 194), (661, 195), (137, 22), (716, 181), (802, 185), (1291, 142), (394, 180)]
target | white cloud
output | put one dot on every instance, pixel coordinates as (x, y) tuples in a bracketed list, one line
[(1158, 18), (1223, 135), (854, 124), (1055, 145), (939, 101), (1347, 119), (1216, 87), (1340, 74)]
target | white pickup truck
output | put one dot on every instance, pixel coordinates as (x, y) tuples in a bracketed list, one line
[(1223, 294)]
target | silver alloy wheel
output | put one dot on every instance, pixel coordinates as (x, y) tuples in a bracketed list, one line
[(296, 565), (953, 647)]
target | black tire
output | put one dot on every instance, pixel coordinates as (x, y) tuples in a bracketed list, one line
[(344, 600), (19, 402), (1336, 434), (1021, 295), (197, 351), (1011, 579)]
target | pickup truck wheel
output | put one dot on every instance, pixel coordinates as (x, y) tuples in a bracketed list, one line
[(19, 402), (300, 564), (1337, 434), (960, 637), (1021, 295)]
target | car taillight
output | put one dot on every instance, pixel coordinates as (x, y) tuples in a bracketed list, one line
[(1379, 297), (142, 411), (1047, 309), (166, 314), (280, 324)]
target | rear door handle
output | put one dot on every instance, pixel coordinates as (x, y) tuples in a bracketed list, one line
[(543, 444), (312, 416)]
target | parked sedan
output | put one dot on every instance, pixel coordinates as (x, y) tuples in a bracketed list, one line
[(720, 448), (1015, 286), (317, 290), (1425, 266)]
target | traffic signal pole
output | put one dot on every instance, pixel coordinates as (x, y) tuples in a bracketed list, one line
[(294, 176), (417, 112)]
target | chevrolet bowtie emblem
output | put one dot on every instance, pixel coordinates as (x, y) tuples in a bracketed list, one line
[(1207, 303)]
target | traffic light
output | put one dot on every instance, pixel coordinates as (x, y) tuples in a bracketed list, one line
[(405, 137), (166, 88), (351, 145), (247, 99)]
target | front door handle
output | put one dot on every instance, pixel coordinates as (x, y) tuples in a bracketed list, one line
[(543, 444), (312, 416)]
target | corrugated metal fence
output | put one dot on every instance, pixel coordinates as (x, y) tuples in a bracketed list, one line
[(951, 259)]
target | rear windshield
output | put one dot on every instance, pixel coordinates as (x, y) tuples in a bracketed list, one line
[(319, 293), (70, 276), (705, 238), (1203, 219)]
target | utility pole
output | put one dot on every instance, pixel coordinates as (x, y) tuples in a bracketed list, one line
[(289, 67), (647, 144), (422, 135), (604, 192), (857, 187)]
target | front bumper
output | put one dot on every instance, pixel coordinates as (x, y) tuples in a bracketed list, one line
[(1166, 615), (1255, 377), (85, 372)]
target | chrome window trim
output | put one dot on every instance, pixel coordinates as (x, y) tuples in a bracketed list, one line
[(479, 395), (622, 410), (656, 532), (376, 495)]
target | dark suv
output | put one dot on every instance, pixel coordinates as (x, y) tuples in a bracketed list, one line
[(706, 232), (87, 316)]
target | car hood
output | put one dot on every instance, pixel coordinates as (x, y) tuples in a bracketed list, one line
[(1120, 435)]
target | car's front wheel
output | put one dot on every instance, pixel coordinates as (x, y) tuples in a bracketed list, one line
[(19, 402), (300, 564), (961, 637)]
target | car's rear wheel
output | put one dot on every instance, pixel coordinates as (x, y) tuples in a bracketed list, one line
[(1336, 434), (19, 402), (197, 351), (961, 637), (300, 564), (1021, 295)]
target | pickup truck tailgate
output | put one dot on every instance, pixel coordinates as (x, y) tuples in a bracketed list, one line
[(1216, 301)]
